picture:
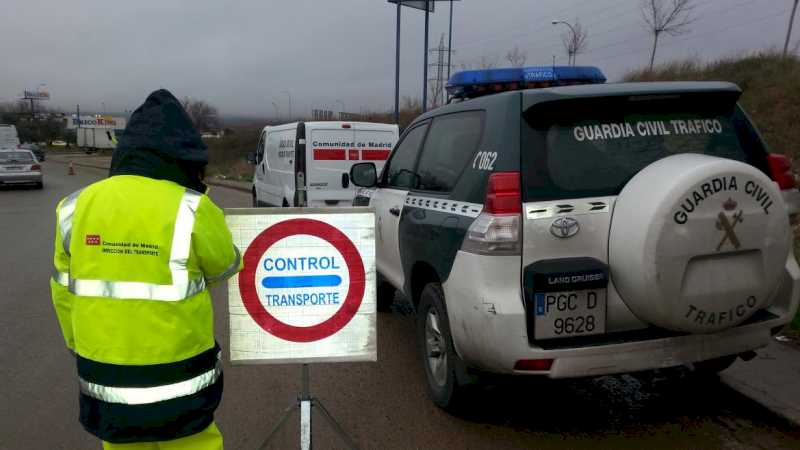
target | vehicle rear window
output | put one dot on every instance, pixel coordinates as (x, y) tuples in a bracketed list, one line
[(575, 149), (17, 157)]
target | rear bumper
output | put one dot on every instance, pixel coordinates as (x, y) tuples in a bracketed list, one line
[(20, 177), (488, 324)]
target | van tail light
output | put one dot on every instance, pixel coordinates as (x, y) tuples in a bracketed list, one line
[(780, 169), (496, 231), (36, 167)]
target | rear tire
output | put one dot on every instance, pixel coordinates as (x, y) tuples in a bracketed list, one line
[(39, 185), (714, 366), (437, 352), (255, 199)]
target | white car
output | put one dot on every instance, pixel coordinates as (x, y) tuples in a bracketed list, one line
[(308, 163), (20, 167)]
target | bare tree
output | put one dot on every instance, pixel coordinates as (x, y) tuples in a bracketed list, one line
[(205, 117), (672, 17), (575, 41), (516, 57)]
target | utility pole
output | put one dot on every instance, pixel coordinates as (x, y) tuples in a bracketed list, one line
[(425, 63), (439, 66), (450, 41), (789, 31), (78, 128), (397, 70)]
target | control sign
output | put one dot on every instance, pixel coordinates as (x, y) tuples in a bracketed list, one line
[(307, 290)]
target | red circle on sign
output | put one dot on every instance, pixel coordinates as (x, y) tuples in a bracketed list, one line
[(311, 227)]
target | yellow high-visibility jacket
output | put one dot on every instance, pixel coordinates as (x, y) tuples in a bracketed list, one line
[(134, 257)]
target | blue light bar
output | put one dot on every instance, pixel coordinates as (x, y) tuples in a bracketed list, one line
[(474, 83)]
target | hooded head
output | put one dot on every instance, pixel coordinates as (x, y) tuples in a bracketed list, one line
[(160, 142)]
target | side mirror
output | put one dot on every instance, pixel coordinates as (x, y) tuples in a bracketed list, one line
[(345, 181), (251, 158), (364, 174)]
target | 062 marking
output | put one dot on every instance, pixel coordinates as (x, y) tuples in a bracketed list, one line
[(484, 160)]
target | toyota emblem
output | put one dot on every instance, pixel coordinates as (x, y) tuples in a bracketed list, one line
[(564, 227)]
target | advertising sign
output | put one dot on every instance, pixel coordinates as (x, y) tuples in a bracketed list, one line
[(36, 95), (416, 4), (97, 121), (307, 290)]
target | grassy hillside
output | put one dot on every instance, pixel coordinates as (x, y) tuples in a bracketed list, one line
[(771, 86)]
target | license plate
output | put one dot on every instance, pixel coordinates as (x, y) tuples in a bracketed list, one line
[(570, 313), (14, 168)]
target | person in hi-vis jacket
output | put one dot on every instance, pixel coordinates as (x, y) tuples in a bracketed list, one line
[(134, 256)]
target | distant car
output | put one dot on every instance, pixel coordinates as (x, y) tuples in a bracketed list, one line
[(38, 151), (20, 167), (59, 144)]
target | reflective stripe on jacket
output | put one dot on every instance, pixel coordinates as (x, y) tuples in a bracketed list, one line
[(133, 259)]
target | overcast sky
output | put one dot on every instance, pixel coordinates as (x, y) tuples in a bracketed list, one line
[(242, 55)]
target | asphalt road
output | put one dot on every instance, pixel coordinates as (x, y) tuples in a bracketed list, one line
[(381, 405)]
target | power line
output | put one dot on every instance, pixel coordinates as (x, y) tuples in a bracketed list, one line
[(440, 66), (591, 25), (693, 36)]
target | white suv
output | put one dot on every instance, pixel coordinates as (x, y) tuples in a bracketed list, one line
[(585, 230)]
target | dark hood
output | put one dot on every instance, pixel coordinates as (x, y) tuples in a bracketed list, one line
[(160, 142)]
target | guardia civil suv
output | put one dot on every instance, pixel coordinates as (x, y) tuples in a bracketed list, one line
[(572, 228)]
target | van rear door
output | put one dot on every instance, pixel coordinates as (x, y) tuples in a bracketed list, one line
[(329, 151), (376, 142)]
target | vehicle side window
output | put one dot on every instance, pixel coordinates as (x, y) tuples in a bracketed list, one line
[(450, 145), (260, 148), (400, 172)]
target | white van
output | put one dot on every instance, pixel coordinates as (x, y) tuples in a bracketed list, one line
[(8, 137), (308, 163)]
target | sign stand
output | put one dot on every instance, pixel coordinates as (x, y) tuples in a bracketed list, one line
[(305, 401)]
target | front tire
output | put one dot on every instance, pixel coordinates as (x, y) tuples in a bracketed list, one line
[(437, 351), (255, 199)]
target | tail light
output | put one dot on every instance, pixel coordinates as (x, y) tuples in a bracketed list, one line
[(534, 364), (496, 231), (780, 169), (36, 167)]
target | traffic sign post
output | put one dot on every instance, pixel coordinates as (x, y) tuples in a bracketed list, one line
[(306, 294)]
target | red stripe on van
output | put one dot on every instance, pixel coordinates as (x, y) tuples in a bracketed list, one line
[(375, 155), (329, 154), (352, 155)]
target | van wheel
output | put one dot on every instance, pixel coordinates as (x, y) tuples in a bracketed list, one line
[(255, 199), (39, 185), (437, 351), (285, 203)]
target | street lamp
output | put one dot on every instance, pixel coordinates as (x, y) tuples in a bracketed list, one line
[(277, 114), (570, 50), (290, 103), (342, 110)]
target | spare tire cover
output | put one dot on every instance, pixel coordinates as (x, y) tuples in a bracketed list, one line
[(698, 243)]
